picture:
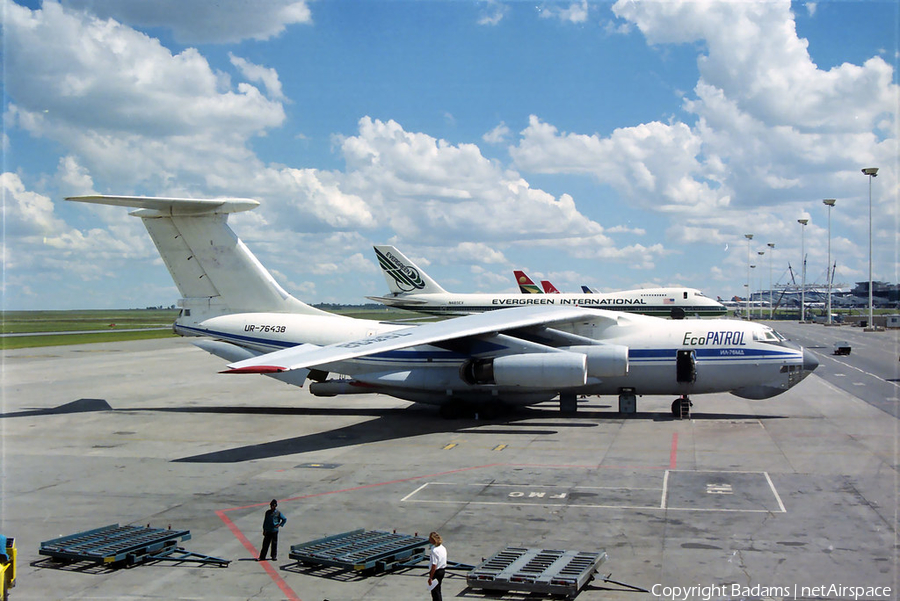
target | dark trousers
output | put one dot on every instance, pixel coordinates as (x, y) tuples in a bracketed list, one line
[(436, 591), (269, 538)]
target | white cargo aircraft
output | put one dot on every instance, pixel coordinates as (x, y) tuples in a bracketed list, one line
[(413, 289), (519, 356)]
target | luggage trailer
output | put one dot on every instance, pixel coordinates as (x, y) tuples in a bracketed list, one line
[(366, 550), (547, 571), (117, 546)]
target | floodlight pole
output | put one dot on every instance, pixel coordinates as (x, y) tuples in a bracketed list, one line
[(829, 202), (749, 237), (870, 172), (760, 253), (802, 223), (771, 306)]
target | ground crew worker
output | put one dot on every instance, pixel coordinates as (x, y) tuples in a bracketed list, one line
[(273, 520), (438, 565)]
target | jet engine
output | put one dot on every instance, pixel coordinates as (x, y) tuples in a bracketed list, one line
[(532, 370), (604, 361)]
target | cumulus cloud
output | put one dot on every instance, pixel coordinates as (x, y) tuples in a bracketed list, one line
[(205, 22), (655, 164), (38, 246), (268, 77), (764, 125), (756, 58), (128, 107), (492, 13), (424, 184), (498, 135), (576, 12), (26, 213)]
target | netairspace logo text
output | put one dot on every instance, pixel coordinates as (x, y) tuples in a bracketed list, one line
[(736, 591)]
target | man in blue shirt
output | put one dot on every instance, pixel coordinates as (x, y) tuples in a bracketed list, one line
[(273, 520)]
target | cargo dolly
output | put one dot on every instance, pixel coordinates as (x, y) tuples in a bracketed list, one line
[(546, 571), (365, 550), (126, 546)]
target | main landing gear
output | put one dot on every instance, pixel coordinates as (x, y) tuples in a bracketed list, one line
[(681, 407)]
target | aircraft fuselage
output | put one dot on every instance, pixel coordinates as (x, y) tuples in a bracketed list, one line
[(691, 356)]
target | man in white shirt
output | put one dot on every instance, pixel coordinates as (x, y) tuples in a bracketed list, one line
[(438, 565)]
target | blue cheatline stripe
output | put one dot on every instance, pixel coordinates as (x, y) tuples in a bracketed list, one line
[(407, 356)]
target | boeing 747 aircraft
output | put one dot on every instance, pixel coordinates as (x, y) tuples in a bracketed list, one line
[(520, 356), (413, 289)]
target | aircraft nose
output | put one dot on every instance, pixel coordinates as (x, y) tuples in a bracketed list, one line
[(810, 363)]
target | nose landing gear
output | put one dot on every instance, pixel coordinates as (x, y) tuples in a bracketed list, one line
[(681, 407)]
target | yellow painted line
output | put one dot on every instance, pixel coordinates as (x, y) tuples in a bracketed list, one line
[(499, 447), (447, 447)]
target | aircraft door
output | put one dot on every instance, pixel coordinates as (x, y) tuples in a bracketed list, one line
[(686, 367)]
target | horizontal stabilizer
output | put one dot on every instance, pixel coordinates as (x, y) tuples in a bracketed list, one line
[(173, 206), (392, 300)]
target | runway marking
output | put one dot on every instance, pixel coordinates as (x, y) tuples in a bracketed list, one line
[(673, 454), (499, 447), (743, 495), (609, 497), (665, 490), (449, 446), (775, 492), (862, 371)]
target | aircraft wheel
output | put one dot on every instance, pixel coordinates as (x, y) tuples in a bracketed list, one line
[(568, 403), (681, 407)]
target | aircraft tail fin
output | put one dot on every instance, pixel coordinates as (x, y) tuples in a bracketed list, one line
[(526, 284), (212, 268), (549, 288), (402, 275)]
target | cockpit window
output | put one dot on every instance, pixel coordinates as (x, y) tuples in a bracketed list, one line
[(768, 335)]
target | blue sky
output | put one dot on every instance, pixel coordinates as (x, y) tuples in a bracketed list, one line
[(618, 145)]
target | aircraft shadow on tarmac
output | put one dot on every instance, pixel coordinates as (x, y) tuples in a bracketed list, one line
[(388, 424), (79, 406)]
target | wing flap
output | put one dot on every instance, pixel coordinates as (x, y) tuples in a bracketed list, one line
[(306, 356)]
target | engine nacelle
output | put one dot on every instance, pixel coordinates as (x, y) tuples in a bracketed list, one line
[(604, 361), (532, 370)]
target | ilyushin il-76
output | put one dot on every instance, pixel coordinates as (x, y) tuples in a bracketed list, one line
[(516, 356)]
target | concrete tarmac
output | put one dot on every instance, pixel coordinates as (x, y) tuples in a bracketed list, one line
[(795, 496)]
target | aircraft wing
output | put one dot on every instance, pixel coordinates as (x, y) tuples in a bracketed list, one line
[(305, 356)]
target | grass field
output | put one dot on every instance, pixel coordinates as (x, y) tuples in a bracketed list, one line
[(85, 326), (107, 325)]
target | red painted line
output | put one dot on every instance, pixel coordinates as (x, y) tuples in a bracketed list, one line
[(673, 454), (267, 565)]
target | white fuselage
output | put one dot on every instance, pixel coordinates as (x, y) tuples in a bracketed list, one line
[(660, 302), (744, 358)]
